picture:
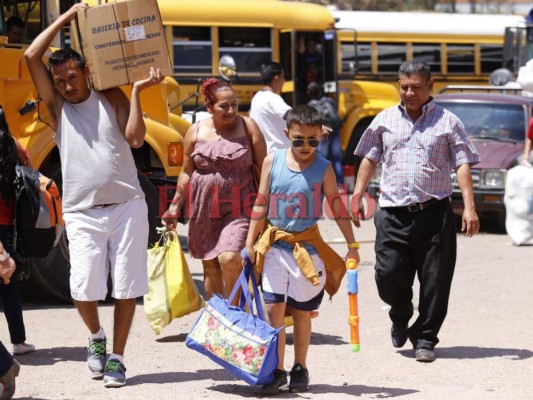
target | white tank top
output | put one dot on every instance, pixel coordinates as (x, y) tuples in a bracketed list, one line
[(97, 163)]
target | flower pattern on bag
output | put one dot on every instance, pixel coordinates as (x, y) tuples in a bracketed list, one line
[(235, 346)]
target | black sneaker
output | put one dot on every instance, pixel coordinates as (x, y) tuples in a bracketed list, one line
[(279, 383), (299, 379)]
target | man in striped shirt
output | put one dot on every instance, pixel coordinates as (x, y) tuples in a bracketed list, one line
[(419, 144)]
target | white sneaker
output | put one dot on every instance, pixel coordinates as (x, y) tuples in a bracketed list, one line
[(96, 357), (23, 348)]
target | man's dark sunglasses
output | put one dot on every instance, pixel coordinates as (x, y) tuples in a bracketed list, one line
[(300, 142)]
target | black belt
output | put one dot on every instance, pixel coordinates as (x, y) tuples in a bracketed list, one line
[(104, 205), (416, 207)]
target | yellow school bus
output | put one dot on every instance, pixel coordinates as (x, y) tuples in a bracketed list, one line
[(159, 161), (253, 32), (462, 49)]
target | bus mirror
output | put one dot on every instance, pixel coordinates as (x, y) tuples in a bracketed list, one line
[(227, 68), (500, 77)]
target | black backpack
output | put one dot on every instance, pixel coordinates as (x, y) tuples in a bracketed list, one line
[(38, 213), (327, 109)]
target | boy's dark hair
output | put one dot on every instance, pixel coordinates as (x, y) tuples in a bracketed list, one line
[(304, 115), (415, 67), (269, 71), (61, 56), (14, 21)]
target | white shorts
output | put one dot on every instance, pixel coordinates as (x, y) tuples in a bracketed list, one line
[(282, 281), (108, 238)]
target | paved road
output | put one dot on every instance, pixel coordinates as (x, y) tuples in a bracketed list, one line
[(486, 349)]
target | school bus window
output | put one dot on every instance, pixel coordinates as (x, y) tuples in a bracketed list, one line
[(460, 58), (249, 47), (364, 53), (428, 52), (192, 50), (29, 12), (491, 57), (348, 58), (390, 56)]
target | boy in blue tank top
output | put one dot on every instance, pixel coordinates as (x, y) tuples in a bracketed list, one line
[(296, 264)]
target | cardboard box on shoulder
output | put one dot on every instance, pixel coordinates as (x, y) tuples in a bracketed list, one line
[(120, 41)]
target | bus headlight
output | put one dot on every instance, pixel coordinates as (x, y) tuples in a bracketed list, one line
[(494, 178)]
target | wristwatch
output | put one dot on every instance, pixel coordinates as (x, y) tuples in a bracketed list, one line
[(4, 257)]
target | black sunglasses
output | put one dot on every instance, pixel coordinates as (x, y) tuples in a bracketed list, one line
[(300, 142)]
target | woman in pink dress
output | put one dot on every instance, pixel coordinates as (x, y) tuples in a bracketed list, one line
[(220, 156)]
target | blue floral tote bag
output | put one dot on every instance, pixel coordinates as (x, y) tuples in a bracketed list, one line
[(241, 342)]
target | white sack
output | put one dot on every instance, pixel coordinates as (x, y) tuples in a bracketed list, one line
[(519, 204), (525, 76)]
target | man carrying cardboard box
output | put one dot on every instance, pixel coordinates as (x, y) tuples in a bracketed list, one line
[(104, 208), (120, 41)]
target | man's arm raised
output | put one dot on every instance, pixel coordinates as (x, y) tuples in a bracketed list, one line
[(34, 58), (135, 128), (129, 112)]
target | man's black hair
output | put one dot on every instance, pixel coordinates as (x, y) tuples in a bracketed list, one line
[(303, 114), (61, 56), (14, 21), (269, 71)]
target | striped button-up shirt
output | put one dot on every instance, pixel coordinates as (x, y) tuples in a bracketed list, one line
[(417, 157)]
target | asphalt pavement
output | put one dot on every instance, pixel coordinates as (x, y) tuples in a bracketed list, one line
[(486, 348)]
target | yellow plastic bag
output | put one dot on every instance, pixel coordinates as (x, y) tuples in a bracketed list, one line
[(171, 289)]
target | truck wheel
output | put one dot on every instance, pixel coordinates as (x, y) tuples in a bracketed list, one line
[(500, 222), (51, 274)]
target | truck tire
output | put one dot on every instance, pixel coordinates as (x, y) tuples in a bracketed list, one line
[(500, 222), (51, 274)]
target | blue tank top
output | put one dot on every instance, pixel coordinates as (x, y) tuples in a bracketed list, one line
[(296, 197)]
